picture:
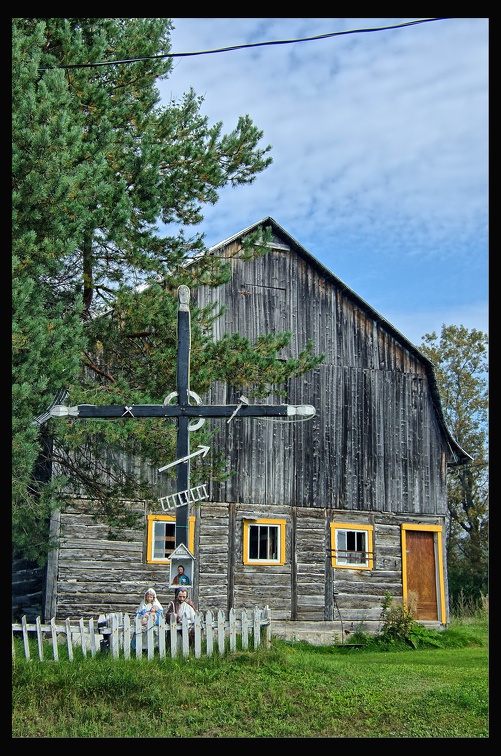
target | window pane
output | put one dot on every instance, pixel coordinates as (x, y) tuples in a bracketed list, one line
[(341, 540), (263, 542), (164, 539), (253, 542), (170, 539), (158, 540), (273, 543), (351, 547)]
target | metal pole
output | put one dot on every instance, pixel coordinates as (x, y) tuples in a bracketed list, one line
[(183, 387)]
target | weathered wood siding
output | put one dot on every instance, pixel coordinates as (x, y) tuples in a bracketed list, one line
[(98, 575), (375, 443), (95, 572), (27, 589)]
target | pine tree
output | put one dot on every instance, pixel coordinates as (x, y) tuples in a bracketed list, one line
[(98, 163), (46, 327)]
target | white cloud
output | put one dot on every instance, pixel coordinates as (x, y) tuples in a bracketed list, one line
[(380, 148)]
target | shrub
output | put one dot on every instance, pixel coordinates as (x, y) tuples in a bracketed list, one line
[(400, 626)]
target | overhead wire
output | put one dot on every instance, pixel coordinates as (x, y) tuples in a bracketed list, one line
[(247, 45)]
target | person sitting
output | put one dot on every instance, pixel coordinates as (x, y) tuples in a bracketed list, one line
[(149, 605), (181, 578), (181, 607)]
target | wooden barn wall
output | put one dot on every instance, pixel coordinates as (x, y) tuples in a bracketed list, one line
[(214, 537), (99, 571), (97, 575), (375, 443), (28, 582)]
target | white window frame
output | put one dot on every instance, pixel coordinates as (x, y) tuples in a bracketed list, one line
[(342, 535)]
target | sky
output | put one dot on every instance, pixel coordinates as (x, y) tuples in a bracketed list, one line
[(380, 151)]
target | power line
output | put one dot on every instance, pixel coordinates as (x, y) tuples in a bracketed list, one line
[(242, 47)]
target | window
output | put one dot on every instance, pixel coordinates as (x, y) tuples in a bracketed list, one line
[(162, 538), (264, 541), (351, 546)]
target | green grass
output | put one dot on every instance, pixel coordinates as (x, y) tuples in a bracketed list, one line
[(293, 690)]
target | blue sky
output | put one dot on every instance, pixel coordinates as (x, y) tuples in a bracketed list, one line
[(379, 146)]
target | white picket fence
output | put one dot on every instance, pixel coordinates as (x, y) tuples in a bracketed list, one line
[(114, 632)]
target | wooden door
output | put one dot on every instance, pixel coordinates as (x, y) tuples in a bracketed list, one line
[(421, 574)]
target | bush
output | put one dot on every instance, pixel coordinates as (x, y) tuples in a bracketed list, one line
[(399, 630)]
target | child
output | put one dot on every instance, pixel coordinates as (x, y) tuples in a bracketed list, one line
[(152, 612)]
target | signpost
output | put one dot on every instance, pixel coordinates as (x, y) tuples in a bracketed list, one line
[(184, 412)]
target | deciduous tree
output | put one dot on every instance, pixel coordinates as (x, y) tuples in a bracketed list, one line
[(460, 359)]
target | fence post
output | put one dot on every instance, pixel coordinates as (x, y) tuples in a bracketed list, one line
[(82, 637), (209, 632), (173, 635), (185, 629), (25, 637), (257, 628), (198, 635), (220, 631), (68, 639), (114, 639), (126, 636), (139, 638), (233, 630), (39, 638), (92, 638), (161, 635), (245, 630), (53, 633), (268, 627), (150, 637)]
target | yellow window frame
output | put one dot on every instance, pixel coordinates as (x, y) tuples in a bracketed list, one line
[(152, 518), (280, 523), (369, 529)]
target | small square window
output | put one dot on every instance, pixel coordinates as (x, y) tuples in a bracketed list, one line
[(161, 540), (264, 541), (351, 546)]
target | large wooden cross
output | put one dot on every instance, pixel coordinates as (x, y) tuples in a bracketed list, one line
[(184, 411)]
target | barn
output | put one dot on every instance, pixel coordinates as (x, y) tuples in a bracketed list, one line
[(322, 516)]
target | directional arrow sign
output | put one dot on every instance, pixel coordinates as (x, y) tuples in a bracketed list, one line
[(201, 450)]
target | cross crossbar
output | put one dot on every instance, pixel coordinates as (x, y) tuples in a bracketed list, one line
[(175, 410)]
